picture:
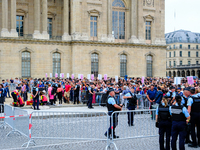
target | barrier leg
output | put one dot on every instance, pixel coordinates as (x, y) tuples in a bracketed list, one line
[(12, 132), (29, 143), (108, 146)]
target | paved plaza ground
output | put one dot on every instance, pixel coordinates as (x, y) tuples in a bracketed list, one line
[(85, 127)]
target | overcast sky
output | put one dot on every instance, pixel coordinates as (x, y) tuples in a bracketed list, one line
[(187, 15)]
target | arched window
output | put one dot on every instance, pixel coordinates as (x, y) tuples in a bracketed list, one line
[(118, 19), (95, 64), (56, 63), (26, 64), (149, 66), (123, 65)]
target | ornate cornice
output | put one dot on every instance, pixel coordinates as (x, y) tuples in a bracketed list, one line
[(22, 4), (83, 43)]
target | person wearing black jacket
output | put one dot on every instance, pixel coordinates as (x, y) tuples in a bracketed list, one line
[(163, 120), (131, 103), (76, 93)]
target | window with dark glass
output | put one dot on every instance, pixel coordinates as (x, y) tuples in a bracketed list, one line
[(93, 26), (197, 62), (174, 63), (181, 63), (49, 28), (148, 30), (174, 46), (180, 46), (149, 66), (189, 54), (169, 54), (174, 54), (188, 46), (20, 25), (197, 46), (180, 53), (188, 62), (170, 63), (123, 65), (118, 19), (197, 54), (26, 64), (56, 63), (95, 64)]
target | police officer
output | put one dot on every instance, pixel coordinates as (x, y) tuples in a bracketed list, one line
[(112, 107), (184, 102), (194, 110), (91, 93), (163, 119), (179, 115), (131, 103), (76, 93), (35, 96)]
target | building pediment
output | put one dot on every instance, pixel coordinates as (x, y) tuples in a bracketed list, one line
[(148, 17), (94, 12)]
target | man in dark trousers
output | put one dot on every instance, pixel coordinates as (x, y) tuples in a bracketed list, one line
[(76, 93), (91, 93)]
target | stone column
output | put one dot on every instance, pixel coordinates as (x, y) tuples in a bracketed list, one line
[(134, 22), (36, 33), (45, 35), (109, 20), (13, 32), (66, 36), (4, 30), (140, 22)]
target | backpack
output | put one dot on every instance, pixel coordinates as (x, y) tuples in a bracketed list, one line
[(53, 91), (3, 94), (133, 100)]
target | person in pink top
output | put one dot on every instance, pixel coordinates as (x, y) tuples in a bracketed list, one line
[(51, 96)]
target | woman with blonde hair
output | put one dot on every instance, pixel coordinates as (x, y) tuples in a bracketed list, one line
[(163, 122)]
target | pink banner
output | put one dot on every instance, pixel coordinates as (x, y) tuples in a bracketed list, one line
[(72, 76), (142, 80), (92, 76), (190, 80), (105, 76), (46, 75), (81, 76), (56, 75), (62, 75)]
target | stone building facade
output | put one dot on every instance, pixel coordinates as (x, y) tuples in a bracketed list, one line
[(183, 54), (113, 37)]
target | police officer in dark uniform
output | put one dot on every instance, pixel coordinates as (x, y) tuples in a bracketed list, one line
[(163, 119), (179, 116), (131, 103), (91, 93), (194, 110), (112, 107)]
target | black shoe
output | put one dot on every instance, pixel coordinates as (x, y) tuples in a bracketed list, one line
[(34, 108), (38, 109), (188, 141), (92, 107), (192, 145), (9, 97), (115, 137)]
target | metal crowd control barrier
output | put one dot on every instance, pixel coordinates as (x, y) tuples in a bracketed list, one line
[(17, 119), (143, 125), (143, 102), (67, 126)]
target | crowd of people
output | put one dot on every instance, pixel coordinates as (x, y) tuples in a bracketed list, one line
[(177, 105)]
